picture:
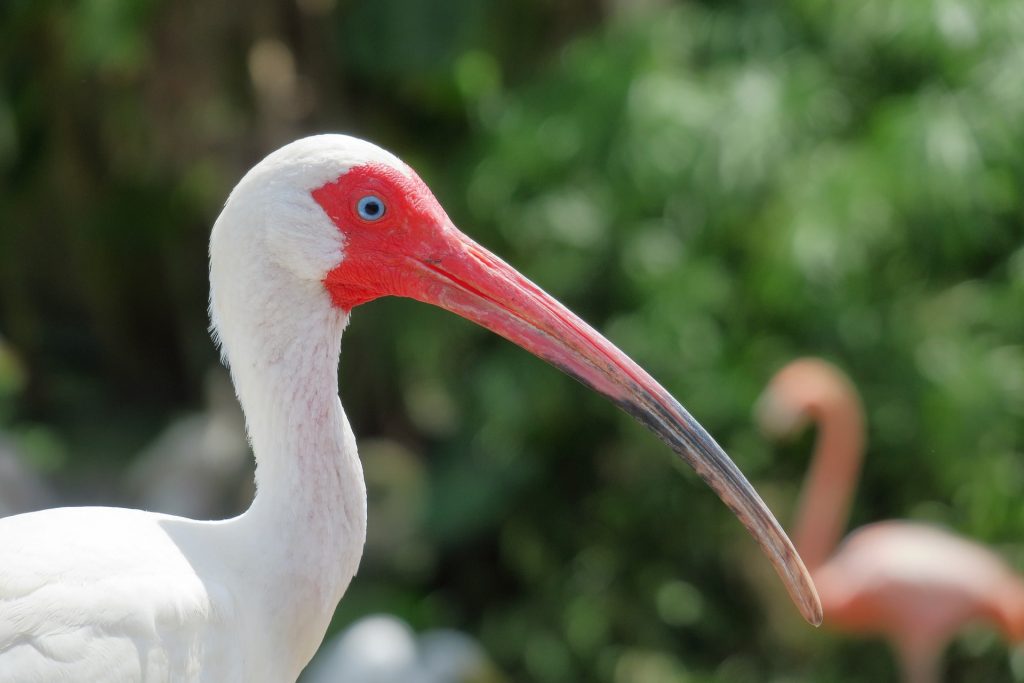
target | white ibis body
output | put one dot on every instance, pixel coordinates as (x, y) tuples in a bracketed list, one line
[(316, 228)]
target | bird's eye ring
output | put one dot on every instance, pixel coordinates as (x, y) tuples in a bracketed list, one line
[(371, 208)]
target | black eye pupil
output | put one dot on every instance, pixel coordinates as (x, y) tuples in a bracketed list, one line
[(370, 208)]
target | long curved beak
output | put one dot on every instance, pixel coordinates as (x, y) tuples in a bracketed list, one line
[(466, 279)]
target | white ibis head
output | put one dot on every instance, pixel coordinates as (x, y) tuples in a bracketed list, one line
[(342, 218)]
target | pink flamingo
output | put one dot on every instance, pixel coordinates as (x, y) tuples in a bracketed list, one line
[(913, 584)]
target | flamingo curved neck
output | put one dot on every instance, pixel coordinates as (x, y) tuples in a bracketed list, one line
[(831, 479)]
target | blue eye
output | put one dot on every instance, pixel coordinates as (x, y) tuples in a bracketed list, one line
[(371, 207)]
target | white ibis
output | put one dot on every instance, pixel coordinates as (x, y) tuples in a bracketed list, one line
[(318, 227)]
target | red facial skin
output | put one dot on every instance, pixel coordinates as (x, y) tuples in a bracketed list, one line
[(381, 256), (414, 251)]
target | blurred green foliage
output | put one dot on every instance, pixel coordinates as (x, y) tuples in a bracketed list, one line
[(719, 187)]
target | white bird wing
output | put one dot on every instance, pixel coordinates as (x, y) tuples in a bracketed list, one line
[(105, 594)]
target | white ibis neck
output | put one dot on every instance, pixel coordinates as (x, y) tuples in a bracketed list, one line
[(303, 535)]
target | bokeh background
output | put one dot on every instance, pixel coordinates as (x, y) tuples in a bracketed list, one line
[(717, 186)]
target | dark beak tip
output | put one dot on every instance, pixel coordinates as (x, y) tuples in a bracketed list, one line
[(804, 593), (812, 611)]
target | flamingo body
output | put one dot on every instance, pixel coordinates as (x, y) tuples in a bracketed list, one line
[(910, 581)]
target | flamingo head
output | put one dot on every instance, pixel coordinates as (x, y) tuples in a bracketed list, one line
[(801, 392)]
